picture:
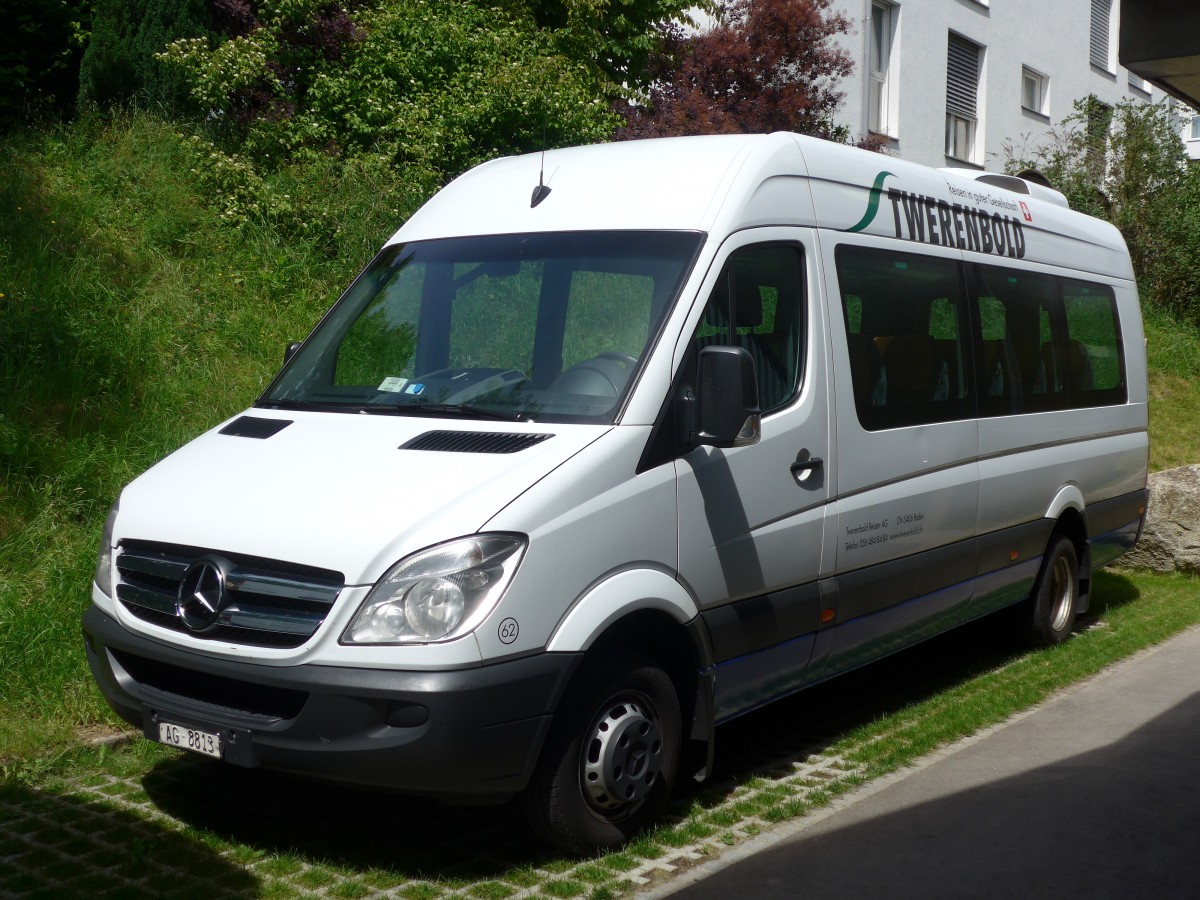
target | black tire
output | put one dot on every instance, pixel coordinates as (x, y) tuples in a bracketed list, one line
[(610, 760), (1055, 596)]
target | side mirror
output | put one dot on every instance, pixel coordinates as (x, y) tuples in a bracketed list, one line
[(290, 351), (727, 390)]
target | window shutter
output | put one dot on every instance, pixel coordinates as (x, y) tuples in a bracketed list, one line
[(1101, 12), (962, 76)]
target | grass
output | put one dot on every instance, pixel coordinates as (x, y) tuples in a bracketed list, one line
[(1173, 354)]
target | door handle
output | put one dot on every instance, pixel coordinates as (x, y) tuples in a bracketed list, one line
[(804, 466)]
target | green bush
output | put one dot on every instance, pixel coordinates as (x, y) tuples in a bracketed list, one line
[(439, 86), (40, 45), (1128, 165), (121, 62)]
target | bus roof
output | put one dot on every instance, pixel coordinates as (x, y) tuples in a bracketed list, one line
[(727, 183)]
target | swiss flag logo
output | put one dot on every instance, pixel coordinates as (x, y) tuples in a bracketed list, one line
[(1025, 211)]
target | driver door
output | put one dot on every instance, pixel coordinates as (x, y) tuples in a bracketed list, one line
[(751, 519)]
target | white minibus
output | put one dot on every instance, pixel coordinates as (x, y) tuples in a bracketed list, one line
[(610, 445)]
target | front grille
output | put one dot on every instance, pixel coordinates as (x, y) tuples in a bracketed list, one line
[(216, 690), (266, 603)]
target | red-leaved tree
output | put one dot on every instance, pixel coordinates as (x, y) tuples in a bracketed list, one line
[(766, 65)]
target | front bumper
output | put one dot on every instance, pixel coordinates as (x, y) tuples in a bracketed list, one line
[(464, 735)]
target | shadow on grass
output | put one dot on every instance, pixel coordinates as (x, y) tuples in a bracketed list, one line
[(1110, 591), (414, 838), (344, 826), (71, 846)]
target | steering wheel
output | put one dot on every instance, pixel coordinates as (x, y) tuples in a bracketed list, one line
[(594, 378), (630, 361)]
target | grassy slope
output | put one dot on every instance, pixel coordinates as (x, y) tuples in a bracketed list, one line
[(132, 318), (1173, 352)]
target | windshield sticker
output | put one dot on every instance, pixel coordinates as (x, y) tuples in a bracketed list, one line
[(977, 220), (392, 383)]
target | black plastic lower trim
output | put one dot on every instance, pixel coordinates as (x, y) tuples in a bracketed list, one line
[(464, 734)]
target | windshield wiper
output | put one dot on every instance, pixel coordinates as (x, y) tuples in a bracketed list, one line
[(448, 409)]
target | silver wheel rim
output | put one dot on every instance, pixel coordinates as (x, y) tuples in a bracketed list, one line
[(1062, 594), (622, 754)]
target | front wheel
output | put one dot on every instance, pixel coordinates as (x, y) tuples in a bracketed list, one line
[(1056, 594), (610, 761)]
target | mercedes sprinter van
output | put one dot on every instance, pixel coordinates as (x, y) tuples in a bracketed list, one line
[(609, 446)]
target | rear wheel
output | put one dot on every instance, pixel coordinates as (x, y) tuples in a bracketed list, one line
[(610, 761), (1056, 594)]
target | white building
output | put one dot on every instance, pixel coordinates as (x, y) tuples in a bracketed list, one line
[(955, 82)]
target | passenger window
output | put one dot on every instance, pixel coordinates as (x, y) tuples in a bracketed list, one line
[(1094, 365), (1045, 343), (1018, 366), (904, 321), (759, 304)]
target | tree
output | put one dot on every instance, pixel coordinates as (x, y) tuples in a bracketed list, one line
[(766, 65), (1127, 164), (438, 84), (404, 93), (120, 64), (620, 37), (40, 45)]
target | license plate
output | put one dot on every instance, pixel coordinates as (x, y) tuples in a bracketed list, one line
[(190, 739)]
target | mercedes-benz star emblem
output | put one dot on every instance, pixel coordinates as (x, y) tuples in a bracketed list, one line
[(200, 595)]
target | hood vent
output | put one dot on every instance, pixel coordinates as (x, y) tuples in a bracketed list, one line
[(473, 442), (254, 427)]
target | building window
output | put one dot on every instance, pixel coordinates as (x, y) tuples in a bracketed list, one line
[(1033, 91), (1139, 84), (1098, 117), (1101, 34), (962, 91), (1194, 134), (880, 118)]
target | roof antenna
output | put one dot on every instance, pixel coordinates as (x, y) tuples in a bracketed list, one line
[(541, 192)]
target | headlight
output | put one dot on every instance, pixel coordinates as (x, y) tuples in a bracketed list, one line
[(437, 594), (104, 561)]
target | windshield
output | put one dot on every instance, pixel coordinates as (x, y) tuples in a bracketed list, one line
[(546, 327)]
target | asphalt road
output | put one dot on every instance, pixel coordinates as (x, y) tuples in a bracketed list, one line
[(1094, 794)]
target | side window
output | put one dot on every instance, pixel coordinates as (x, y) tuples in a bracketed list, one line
[(759, 304), (1045, 343), (1018, 363), (905, 329), (1094, 362)]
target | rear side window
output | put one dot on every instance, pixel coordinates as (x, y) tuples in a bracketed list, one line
[(1095, 363), (927, 344), (907, 332), (1045, 343)]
